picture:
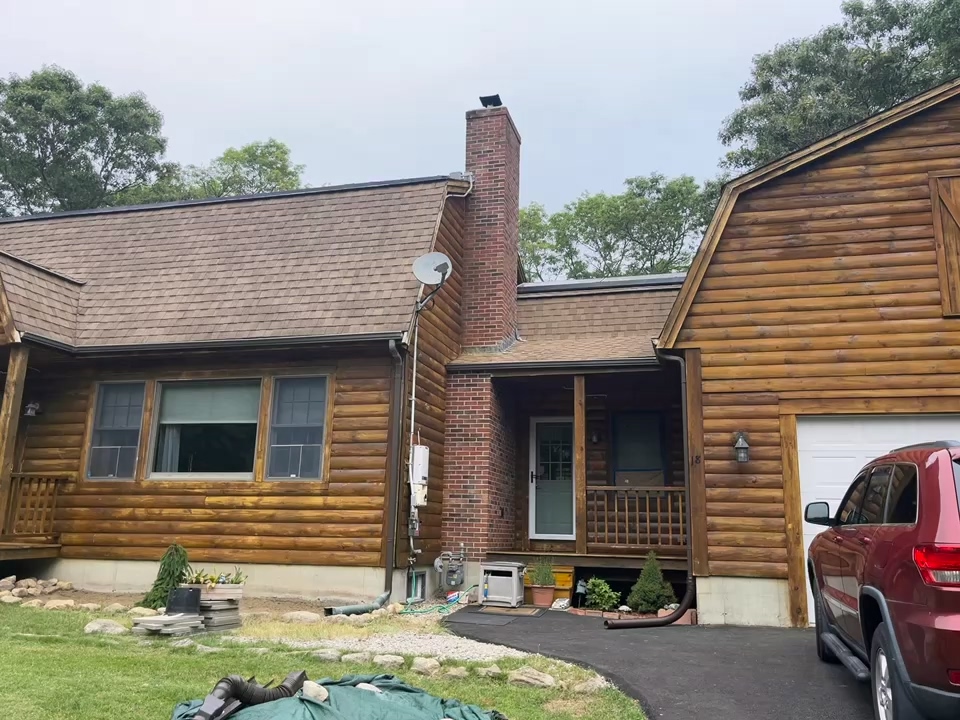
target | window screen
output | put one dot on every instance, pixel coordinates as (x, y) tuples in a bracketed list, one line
[(296, 431), (207, 427), (116, 431)]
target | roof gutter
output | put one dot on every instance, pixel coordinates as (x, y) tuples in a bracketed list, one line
[(241, 344), (499, 368)]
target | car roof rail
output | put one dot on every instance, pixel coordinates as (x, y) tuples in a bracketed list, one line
[(935, 445)]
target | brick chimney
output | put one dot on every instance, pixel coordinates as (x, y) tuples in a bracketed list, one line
[(489, 303)]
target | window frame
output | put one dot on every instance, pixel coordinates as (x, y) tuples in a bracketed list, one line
[(151, 475), (324, 438), (91, 430), (886, 497)]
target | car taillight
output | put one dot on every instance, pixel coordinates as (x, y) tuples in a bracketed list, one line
[(938, 564)]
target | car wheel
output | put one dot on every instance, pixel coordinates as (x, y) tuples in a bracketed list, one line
[(888, 688), (823, 652)]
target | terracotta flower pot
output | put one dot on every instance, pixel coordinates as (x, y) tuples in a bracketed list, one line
[(542, 595)]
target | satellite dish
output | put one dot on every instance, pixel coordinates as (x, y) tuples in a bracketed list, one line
[(432, 268)]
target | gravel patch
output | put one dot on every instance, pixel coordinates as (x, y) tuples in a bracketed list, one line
[(443, 647)]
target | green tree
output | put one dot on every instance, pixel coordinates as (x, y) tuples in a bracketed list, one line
[(880, 54), (67, 146), (651, 227), (536, 244), (651, 591)]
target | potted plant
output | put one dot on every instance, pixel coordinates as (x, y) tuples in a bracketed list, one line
[(542, 583), (225, 586)]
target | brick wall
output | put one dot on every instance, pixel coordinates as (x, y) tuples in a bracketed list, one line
[(479, 466), (492, 226)]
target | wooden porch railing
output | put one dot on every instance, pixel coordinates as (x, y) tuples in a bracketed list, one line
[(641, 517), (32, 503)]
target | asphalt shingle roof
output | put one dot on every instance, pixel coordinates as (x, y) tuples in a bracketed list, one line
[(332, 262)]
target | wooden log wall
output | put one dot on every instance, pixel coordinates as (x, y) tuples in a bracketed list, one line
[(824, 286), (439, 344), (338, 521)]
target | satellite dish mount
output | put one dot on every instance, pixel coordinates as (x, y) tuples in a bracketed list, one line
[(431, 269)]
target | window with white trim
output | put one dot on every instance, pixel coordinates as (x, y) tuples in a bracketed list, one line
[(296, 428), (116, 431), (206, 429)]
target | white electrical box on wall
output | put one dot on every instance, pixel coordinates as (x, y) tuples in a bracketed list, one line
[(419, 475)]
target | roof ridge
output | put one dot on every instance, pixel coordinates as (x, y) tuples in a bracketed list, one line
[(42, 268), (325, 189)]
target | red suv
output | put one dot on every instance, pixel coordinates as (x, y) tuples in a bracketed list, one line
[(885, 577)]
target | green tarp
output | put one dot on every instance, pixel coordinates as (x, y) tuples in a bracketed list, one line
[(398, 701)]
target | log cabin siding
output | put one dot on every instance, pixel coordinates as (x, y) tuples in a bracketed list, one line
[(439, 343), (824, 284), (337, 521)]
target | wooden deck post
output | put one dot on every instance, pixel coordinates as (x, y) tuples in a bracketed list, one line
[(9, 421), (580, 460)]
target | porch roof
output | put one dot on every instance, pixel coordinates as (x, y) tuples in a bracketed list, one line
[(583, 324)]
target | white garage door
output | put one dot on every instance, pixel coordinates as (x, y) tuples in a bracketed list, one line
[(833, 448)]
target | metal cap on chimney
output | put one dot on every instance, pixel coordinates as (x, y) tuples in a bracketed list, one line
[(491, 101)]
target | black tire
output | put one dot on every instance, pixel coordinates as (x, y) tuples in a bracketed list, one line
[(884, 669), (823, 652)]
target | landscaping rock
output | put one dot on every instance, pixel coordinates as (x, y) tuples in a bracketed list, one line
[(182, 643), (89, 607), (8, 583), (624, 608), (26, 583), (594, 684), (303, 617), (380, 612), (20, 592), (33, 604), (360, 657), (326, 655), (315, 691), (104, 627), (336, 619), (534, 678), (46, 590), (64, 585), (34, 592), (395, 608), (425, 666), (389, 661), (4, 593), (456, 672), (490, 671), (59, 605), (115, 608), (139, 612), (10, 599), (207, 650)]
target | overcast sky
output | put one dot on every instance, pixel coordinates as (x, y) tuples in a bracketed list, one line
[(376, 89)]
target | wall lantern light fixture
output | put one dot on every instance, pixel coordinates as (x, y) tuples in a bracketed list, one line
[(741, 447)]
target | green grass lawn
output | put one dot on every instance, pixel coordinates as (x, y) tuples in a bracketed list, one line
[(50, 670)]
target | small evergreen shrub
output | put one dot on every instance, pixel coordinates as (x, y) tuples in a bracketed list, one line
[(174, 567), (601, 596), (650, 592)]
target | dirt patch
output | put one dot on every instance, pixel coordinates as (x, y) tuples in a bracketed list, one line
[(573, 708), (247, 605)]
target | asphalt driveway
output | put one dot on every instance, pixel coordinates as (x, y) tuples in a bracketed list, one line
[(692, 673)]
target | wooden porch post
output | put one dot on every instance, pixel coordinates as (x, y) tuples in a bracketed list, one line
[(580, 459), (9, 421)]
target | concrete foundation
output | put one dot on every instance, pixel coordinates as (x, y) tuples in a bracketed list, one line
[(743, 601), (331, 585)]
